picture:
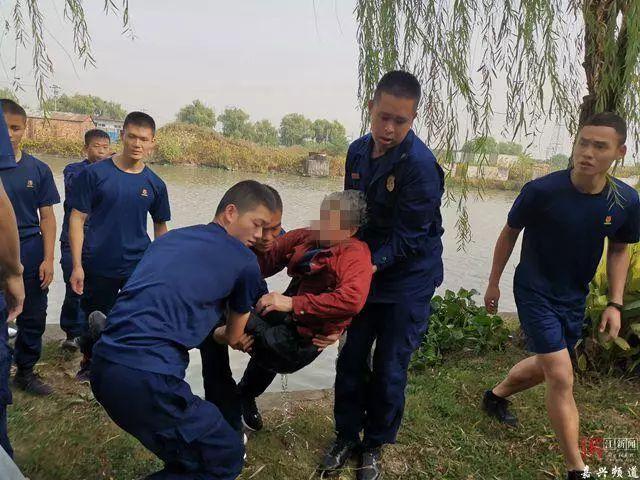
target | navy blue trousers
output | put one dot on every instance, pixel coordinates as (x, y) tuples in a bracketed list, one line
[(72, 318), (99, 294), (372, 401), (5, 392), (187, 433), (32, 321), (278, 348), (219, 385)]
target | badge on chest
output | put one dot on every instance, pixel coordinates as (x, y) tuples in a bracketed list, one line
[(391, 183)]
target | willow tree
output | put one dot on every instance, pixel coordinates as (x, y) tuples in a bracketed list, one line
[(27, 24), (544, 60)]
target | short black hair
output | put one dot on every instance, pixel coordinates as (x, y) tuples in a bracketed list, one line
[(399, 84), (609, 119), (140, 119), (248, 195), (12, 108), (276, 196), (95, 133)]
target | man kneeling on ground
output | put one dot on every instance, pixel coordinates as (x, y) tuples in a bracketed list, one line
[(331, 272), (173, 300)]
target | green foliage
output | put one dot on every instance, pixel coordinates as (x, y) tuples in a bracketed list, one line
[(295, 129), (265, 133), (528, 55), (509, 148), (181, 143), (87, 104), (457, 323), (197, 113), (483, 145), (8, 93), (321, 129), (329, 133), (596, 351), (236, 124), (522, 170), (55, 146), (559, 161)]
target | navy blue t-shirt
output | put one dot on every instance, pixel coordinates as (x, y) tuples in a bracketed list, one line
[(29, 186), (117, 204), (564, 232), (176, 296), (7, 158), (69, 174)]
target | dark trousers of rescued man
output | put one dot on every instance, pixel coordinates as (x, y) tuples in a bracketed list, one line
[(99, 294), (277, 348), (5, 367), (373, 400), (32, 321), (72, 317), (187, 433)]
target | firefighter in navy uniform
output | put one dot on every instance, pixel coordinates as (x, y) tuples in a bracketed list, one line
[(403, 185)]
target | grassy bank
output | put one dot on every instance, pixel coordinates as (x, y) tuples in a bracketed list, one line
[(183, 144), (69, 436)]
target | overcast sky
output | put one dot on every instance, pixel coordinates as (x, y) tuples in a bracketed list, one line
[(269, 58)]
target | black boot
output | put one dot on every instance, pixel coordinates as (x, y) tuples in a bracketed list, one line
[(251, 417), (31, 382), (369, 467), (498, 408), (575, 475), (339, 452)]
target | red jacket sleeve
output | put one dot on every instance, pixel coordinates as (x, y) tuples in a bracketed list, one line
[(277, 258), (354, 271)]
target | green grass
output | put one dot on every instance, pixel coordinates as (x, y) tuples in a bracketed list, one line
[(443, 434)]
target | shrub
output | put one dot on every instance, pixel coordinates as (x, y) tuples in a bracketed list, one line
[(595, 351), (180, 143), (457, 323)]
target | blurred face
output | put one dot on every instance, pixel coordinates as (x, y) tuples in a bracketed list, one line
[(16, 124), (596, 149), (270, 232), (391, 120), (98, 149), (247, 226), (332, 229), (137, 142)]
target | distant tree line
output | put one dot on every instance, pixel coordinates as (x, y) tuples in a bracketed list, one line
[(295, 128)]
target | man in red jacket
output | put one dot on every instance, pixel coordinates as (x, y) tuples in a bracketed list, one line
[(331, 272)]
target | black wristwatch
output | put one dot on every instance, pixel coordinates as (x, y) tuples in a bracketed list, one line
[(615, 305)]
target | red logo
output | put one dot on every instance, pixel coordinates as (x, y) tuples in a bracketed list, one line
[(592, 446)]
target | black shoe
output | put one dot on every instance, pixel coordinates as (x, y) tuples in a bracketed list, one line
[(251, 417), (339, 452), (31, 382), (85, 371), (71, 344), (369, 467), (97, 321), (575, 475), (497, 407)]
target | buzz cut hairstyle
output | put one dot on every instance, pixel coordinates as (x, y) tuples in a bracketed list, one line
[(248, 195), (12, 108), (609, 119), (399, 84), (352, 205), (140, 119), (95, 133), (277, 197)]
